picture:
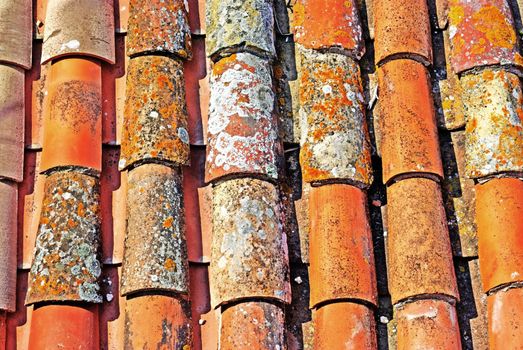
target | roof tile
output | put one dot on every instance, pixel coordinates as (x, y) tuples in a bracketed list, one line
[(112, 315), (342, 242), (249, 249), (79, 27), (416, 219), (159, 26), (197, 16), (505, 323), (19, 322), (442, 13), (155, 256), (17, 32), (409, 137), (335, 144), (65, 265), (121, 16), (205, 202), (155, 125), (298, 316), (36, 88), (303, 221), (8, 247)]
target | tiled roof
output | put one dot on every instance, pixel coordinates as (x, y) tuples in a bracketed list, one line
[(261, 174)]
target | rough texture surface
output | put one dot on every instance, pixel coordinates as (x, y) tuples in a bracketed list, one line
[(66, 264), (8, 245), (16, 28), (249, 250), (335, 144), (505, 323), (155, 124)]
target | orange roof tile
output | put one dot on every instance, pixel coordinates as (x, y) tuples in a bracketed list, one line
[(504, 325)]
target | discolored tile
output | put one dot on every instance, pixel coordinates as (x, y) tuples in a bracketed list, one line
[(17, 32), (8, 246), (504, 324)]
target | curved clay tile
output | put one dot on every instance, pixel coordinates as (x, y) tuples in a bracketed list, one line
[(155, 119), (65, 264), (249, 250), (505, 322), (327, 24), (243, 129), (8, 240), (73, 119), (335, 142), (12, 115), (79, 27), (159, 26), (155, 256), (16, 27)]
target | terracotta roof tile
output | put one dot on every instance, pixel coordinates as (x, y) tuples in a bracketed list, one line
[(205, 201), (159, 26), (8, 247), (442, 13), (121, 15), (39, 19), (504, 326), (19, 322), (84, 27), (17, 29), (197, 16), (301, 205), (112, 313), (36, 88)]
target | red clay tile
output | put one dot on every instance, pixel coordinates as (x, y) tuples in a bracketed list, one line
[(155, 125), (482, 33), (120, 94), (402, 30), (192, 181), (324, 24), (210, 329), (499, 213), (341, 254), (494, 133), (303, 220), (409, 137), (155, 256), (73, 120), (121, 14), (17, 32), (252, 325), (416, 219), (8, 247), (39, 11), (298, 316), (112, 319), (19, 322), (205, 203), (344, 325), (504, 319), (157, 322), (197, 16), (12, 122), (335, 145), (427, 324), (36, 89), (84, 27), (159, 26), (65, 265), (64, 326), (242, 130), (200, 301), (249, 250)]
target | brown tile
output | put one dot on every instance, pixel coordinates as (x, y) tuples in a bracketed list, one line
[(197, 16), (409, 137), (252, 325), (402, 29), (341, 252), (200, 293), (344, 323), (335, 145), (505, 323), (303, 221), (249, 251), (242, 130), (494, 134), (157, 322), (155, 125), (17, 32), (499, 210), (324, 24), (12, 122), (8, 247), (155, 256), (416, 219), (84, 27), (427, 324), (36, 84), (73, 120), (65, 265)]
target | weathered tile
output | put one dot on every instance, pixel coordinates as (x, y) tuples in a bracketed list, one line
[(442, 13), (121, 16), (17, 32), (344, 323), (159, 27), (37, 84), (39, 10), (334, 25), (246, 26), (8, 246), (505, 322), (494, 133), (249, 249), (335, 144), (155, 124), (416, 219), (243, 128), (499, 213), (65, 264), (252, 325), (19, 322), (155, 256), (73, 119), (409, 136), (205, 202), (210, 329), (12, 122), (482, 33), (427, 324), (112, 319), (197, 16), (79, 27), (402, 30), (341, 254), (303, 231)]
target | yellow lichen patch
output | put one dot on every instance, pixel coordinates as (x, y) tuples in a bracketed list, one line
[(456, 14), (491, 21), (168, 222), (169, 264)]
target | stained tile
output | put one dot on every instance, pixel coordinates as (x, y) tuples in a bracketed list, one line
[(205, 203), (8, 247), (442, 13), (17, 32), (36, 83), (112, 314), (504, 326)]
